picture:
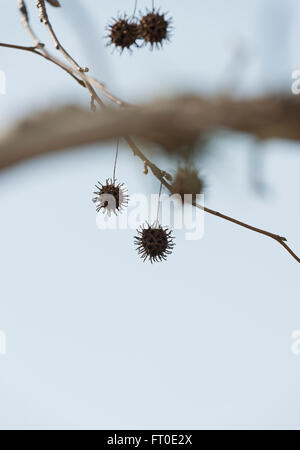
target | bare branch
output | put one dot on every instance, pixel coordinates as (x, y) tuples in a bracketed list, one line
[(167, 122), (44, 18), (25, 21), (192, 116), (39, 52)]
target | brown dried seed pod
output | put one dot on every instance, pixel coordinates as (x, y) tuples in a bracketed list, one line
[(110, 197), (154, 28), (122, 33), (154, 242), (187, 181)]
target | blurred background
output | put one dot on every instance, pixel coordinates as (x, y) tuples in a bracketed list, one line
[(96, 338)]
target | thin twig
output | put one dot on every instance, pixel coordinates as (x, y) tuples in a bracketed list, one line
[(280, 239), (116, 159), (108, 94), (35, 51), (134, 10), (47, 55), (25, 20), (38, 44), (158, 204), (44, 18)]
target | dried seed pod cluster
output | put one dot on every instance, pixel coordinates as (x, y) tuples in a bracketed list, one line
[(123, 33), (153, 28), (110, 197), (187, 182), (154, 242)]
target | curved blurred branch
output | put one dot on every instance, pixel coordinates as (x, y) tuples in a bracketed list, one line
[(170, 123)]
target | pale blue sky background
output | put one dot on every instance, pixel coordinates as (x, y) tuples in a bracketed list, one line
[(96, 338)]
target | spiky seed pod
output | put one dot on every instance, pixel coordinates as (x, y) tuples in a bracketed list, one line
[(123, 33), (187, 181), (154, 28), (110, 197), (154, 243)]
